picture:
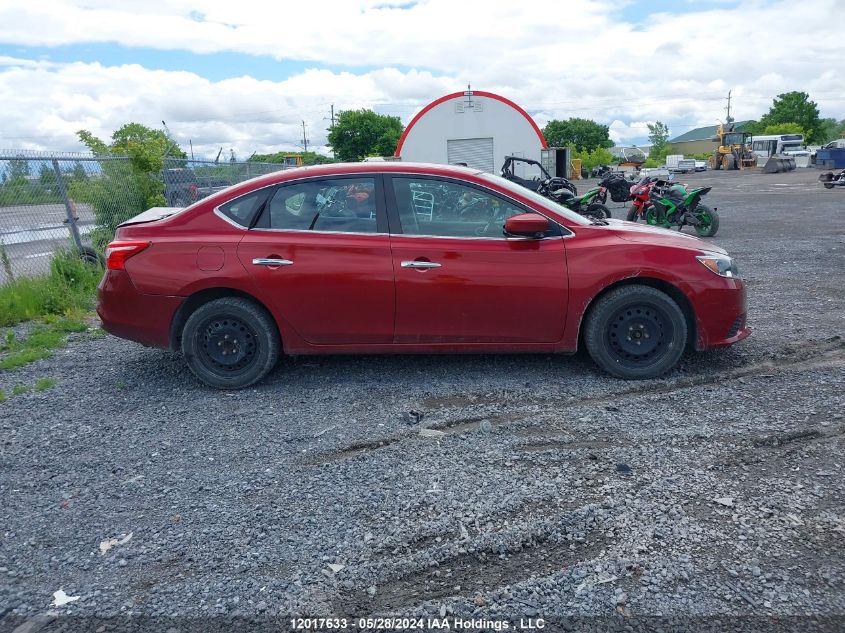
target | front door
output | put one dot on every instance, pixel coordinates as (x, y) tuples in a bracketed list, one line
[(321, 253), (459, 279)]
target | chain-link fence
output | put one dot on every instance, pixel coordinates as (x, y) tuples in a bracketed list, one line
[(51, 201)]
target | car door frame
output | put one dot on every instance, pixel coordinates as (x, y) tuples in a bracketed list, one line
[(293, 340), (395, 227)]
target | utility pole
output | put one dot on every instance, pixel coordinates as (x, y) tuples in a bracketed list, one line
[(729, 120), (332, 126), (304, 140)]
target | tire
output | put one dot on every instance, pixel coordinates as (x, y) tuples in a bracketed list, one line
[(708, 229), (598, 210), (728, 162), (655, 332), (828, 185), (715, 162), (91, 257), (222, 321), (632, 216)]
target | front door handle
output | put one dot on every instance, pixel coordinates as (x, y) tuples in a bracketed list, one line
[(269, 261), (417, 264)]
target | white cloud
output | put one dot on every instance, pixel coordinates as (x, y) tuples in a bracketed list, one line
[(555, 59)]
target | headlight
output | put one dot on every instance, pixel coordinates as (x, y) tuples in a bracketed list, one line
[(722, 265)]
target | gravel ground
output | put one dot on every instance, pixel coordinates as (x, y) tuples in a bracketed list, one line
[(493, 488)]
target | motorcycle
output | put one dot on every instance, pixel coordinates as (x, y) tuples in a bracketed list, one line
[(618, 186), (639, 193), (673, 206), (831, 180), (590, 204)]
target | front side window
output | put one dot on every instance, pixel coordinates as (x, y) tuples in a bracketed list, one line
[(449, 209), (341, 204)]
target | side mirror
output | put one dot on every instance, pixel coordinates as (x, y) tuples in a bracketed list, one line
[(527, 225)]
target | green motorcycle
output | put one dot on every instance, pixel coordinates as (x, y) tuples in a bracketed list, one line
[(672, 206), (590, 204)]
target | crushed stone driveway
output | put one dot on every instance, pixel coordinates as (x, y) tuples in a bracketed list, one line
[(494, 488)]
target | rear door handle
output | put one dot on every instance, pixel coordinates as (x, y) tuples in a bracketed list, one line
[(416, 264), (267, 261)]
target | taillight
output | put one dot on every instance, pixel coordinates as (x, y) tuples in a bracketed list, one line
[(118, 252)]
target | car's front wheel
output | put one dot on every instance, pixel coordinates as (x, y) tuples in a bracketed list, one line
[(230, 343), (636, 332)]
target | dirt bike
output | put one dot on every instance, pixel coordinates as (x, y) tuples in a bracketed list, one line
[(590, 204), (673, 206)]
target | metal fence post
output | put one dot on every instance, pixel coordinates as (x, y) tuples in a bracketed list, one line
[(69, 209)]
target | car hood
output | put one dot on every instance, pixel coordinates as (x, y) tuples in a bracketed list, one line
[(648, 234)]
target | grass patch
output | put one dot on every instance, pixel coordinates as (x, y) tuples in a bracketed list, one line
[(19, 389), (69, 287), (42, 384), (42, 340), (2, 396)]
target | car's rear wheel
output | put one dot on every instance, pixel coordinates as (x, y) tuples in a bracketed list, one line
[(636, 332), (230, 343)]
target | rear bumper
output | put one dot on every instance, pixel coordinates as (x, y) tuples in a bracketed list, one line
[(127, 313), (721, 313)]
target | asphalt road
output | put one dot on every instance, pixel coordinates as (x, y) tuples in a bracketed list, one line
[(31, 233), (497, 488)]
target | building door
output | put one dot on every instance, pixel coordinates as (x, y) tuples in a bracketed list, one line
[(475, 152)]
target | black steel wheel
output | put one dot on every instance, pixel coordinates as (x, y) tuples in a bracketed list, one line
[(230, 343), (636, 332)]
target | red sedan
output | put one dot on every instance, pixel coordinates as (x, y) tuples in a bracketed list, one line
[(409, 258)]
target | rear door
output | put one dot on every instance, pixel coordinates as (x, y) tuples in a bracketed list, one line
[(321, 253), (459, 279)]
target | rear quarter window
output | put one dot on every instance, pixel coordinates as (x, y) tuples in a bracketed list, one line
[(242, 210)]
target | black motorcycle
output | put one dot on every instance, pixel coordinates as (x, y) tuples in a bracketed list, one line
[(618, 186)]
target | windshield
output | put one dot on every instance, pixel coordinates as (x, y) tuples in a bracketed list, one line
[(545, 203)]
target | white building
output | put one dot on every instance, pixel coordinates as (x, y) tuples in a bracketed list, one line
[(473, 127)]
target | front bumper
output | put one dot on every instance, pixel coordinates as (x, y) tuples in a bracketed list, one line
[(127, 313), (721, 312)]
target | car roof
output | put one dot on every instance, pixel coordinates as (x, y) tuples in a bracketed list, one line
[(331, 169)]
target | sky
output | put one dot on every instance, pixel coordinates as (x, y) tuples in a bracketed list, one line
[(244, 75)]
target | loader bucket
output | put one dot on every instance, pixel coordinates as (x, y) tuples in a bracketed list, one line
[(777, 164)]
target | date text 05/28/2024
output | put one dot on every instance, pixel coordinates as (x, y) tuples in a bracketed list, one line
[(416, 624)]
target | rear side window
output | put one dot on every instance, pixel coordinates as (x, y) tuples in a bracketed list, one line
[(346, 205), (242, 210)]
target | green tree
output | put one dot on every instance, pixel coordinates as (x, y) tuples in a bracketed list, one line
[(47, 176), (127, 187), (19, 172), (308, 158), (796, 107), (582, 134), (783, 128), (832, 130), (357, 134), (594, 158), (658, 136)]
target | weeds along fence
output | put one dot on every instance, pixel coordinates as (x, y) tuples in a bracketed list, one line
[(66, 201)]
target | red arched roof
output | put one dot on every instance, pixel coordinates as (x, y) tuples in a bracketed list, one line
[(475, 93)]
